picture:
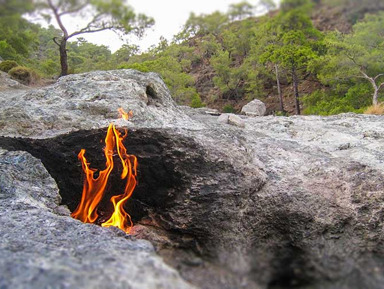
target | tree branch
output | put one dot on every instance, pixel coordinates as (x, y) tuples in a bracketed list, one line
[(55, 40), (73, 10), (370, 79), (58, 19), (82, 31), (377, 76)]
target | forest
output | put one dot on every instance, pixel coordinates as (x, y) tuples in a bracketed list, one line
[(319, 57)]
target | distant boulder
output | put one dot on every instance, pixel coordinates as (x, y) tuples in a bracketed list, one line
[(254, 108)]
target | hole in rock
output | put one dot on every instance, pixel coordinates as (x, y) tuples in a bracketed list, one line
[(171, 203), (160, 176), (151, 94), (178, 202)]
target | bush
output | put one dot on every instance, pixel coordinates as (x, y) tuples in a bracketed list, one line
[(325, 103), (375, 109), (24, 75), (228, 108), (7, 65), (196, 101)]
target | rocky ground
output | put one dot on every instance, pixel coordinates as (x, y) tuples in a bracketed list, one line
[(259, 202)]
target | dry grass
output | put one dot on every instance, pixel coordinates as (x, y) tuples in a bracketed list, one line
[(375, 109)]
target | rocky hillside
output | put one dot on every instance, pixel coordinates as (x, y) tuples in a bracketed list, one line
[(326, 16)]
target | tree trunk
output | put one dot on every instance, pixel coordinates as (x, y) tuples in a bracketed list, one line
[(375, 95), (63, 57), (279, 88), (295, 83)]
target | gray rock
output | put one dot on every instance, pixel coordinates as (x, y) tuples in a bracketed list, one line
[(283, 202), (7, 83), (89, 101), (40, 249), (210, 111), (254, 108), (232, 119)]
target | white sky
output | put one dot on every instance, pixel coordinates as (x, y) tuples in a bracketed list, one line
[(169, 15)]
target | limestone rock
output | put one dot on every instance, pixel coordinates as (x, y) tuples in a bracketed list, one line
[(283, 202), (41, 249), (89, 101), (254, 108), (7, 83), (232, 119)]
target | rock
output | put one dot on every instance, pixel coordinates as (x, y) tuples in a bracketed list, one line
[(7, 83), (284, 202), (88, 101), (40, 249), (210, 111), (232, 119), (254, 108), (223, 118)]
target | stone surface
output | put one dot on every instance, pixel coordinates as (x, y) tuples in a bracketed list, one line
[(42, 247), (254, 108), (88, 101), (283, 202), (7, 83), (232, 119)]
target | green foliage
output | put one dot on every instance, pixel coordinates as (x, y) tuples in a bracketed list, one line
[(240, 10), (228, 78), (228, 108), (24, 75), (13, 7), (354, 63), (239, 54), (85, 56), (289, 5), (196, 101), (125, 52), (171, 62), (324, 103), (203, 25), (17, 37), (7, 65)]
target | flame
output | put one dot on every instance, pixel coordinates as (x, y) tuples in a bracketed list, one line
[(94, 188), (125, 115)]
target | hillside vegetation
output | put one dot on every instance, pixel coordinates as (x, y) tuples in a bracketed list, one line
[(313, 57)]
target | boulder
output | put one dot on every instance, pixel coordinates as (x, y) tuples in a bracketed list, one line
[(254, 108), (283, 202)]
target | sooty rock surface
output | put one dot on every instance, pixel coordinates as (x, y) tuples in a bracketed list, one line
[(42, 247)]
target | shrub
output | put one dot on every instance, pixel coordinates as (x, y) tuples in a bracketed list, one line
[(24, 75), (375, 109), (7, 65), (228, 108), (196, 101)]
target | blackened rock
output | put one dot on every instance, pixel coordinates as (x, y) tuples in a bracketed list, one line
[(41, 249)]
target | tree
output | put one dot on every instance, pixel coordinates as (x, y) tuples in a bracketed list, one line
[(125, 52), (240, 10), (297, 42), (229, 78), (101, 14), (203, 25), (17, 35), (359, 55)]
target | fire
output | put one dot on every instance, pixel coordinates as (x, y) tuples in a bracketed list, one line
[(124, 115), (94, 188)]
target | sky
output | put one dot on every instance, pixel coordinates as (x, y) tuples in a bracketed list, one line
[(169, 15)]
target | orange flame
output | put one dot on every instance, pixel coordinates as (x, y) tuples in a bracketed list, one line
[(125, 115), (94, 188)]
